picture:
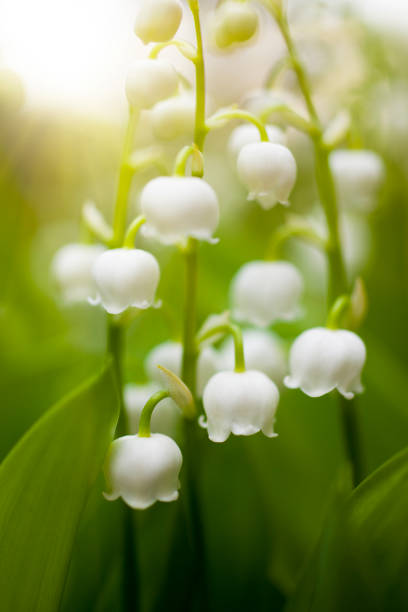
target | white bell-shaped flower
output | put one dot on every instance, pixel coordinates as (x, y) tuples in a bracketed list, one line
[(143, 470), (125, 278), (72, 269), (178, 207), (149, 81), (169, 354), (241, 403), (268, 171), (158, 20), (174, 117), (263, 351), (234, 22), (165, 418), (248, 133), (265, 291), (358, 175), (325, 359)]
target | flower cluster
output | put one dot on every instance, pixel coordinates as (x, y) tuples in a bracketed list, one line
[(238, 378)]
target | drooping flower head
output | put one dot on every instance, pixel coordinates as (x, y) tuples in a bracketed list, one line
[(158, 20), (143, 470), (174, 117), (178, 207), (268, 171), (72, 269), (234, 22), (149, 81), (324, 359), (358, 175), (265, 291), (125, 278), (241, 403)]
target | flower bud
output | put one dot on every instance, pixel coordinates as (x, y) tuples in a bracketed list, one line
[(72, 269), (325, 359), (247, 133), (358, 176), (143, 470), (124, 278), (169, 354), (265, 291), (149, 81), (179, 207), (263, 351), (234, 22), (158, 20), (241, 403), (165, 417), (268, 171), (174, 117)]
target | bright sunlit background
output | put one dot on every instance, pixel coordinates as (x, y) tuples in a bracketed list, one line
[(73, 56)]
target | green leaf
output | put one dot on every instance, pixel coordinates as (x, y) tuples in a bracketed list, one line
[(44, 484), (362, 559)]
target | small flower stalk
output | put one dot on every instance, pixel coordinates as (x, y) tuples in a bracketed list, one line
[(324, 359)]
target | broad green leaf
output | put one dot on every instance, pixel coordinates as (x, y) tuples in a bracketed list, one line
[(44, 484), (362, 560)]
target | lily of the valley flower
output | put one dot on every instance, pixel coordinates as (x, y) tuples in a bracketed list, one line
[(158, 20), (268, 171), (149, 81), (178, 207), (169, 354), (325, 359), (143, 470), (234, 22), (241, 403), (72, 268), (247, 133), (164, 420), (265, 291), (174, 117), (263, 351), (125, 278), (358, 175)]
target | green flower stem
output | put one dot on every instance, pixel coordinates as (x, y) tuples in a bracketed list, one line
[(236, 332), (126, 173), (289, 116), (145, 417), (189, 359), (183, 46), (287, 232), (339, 309), (131, 588), (134, 227), (183, 157), (338, 284), (218, 119)]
